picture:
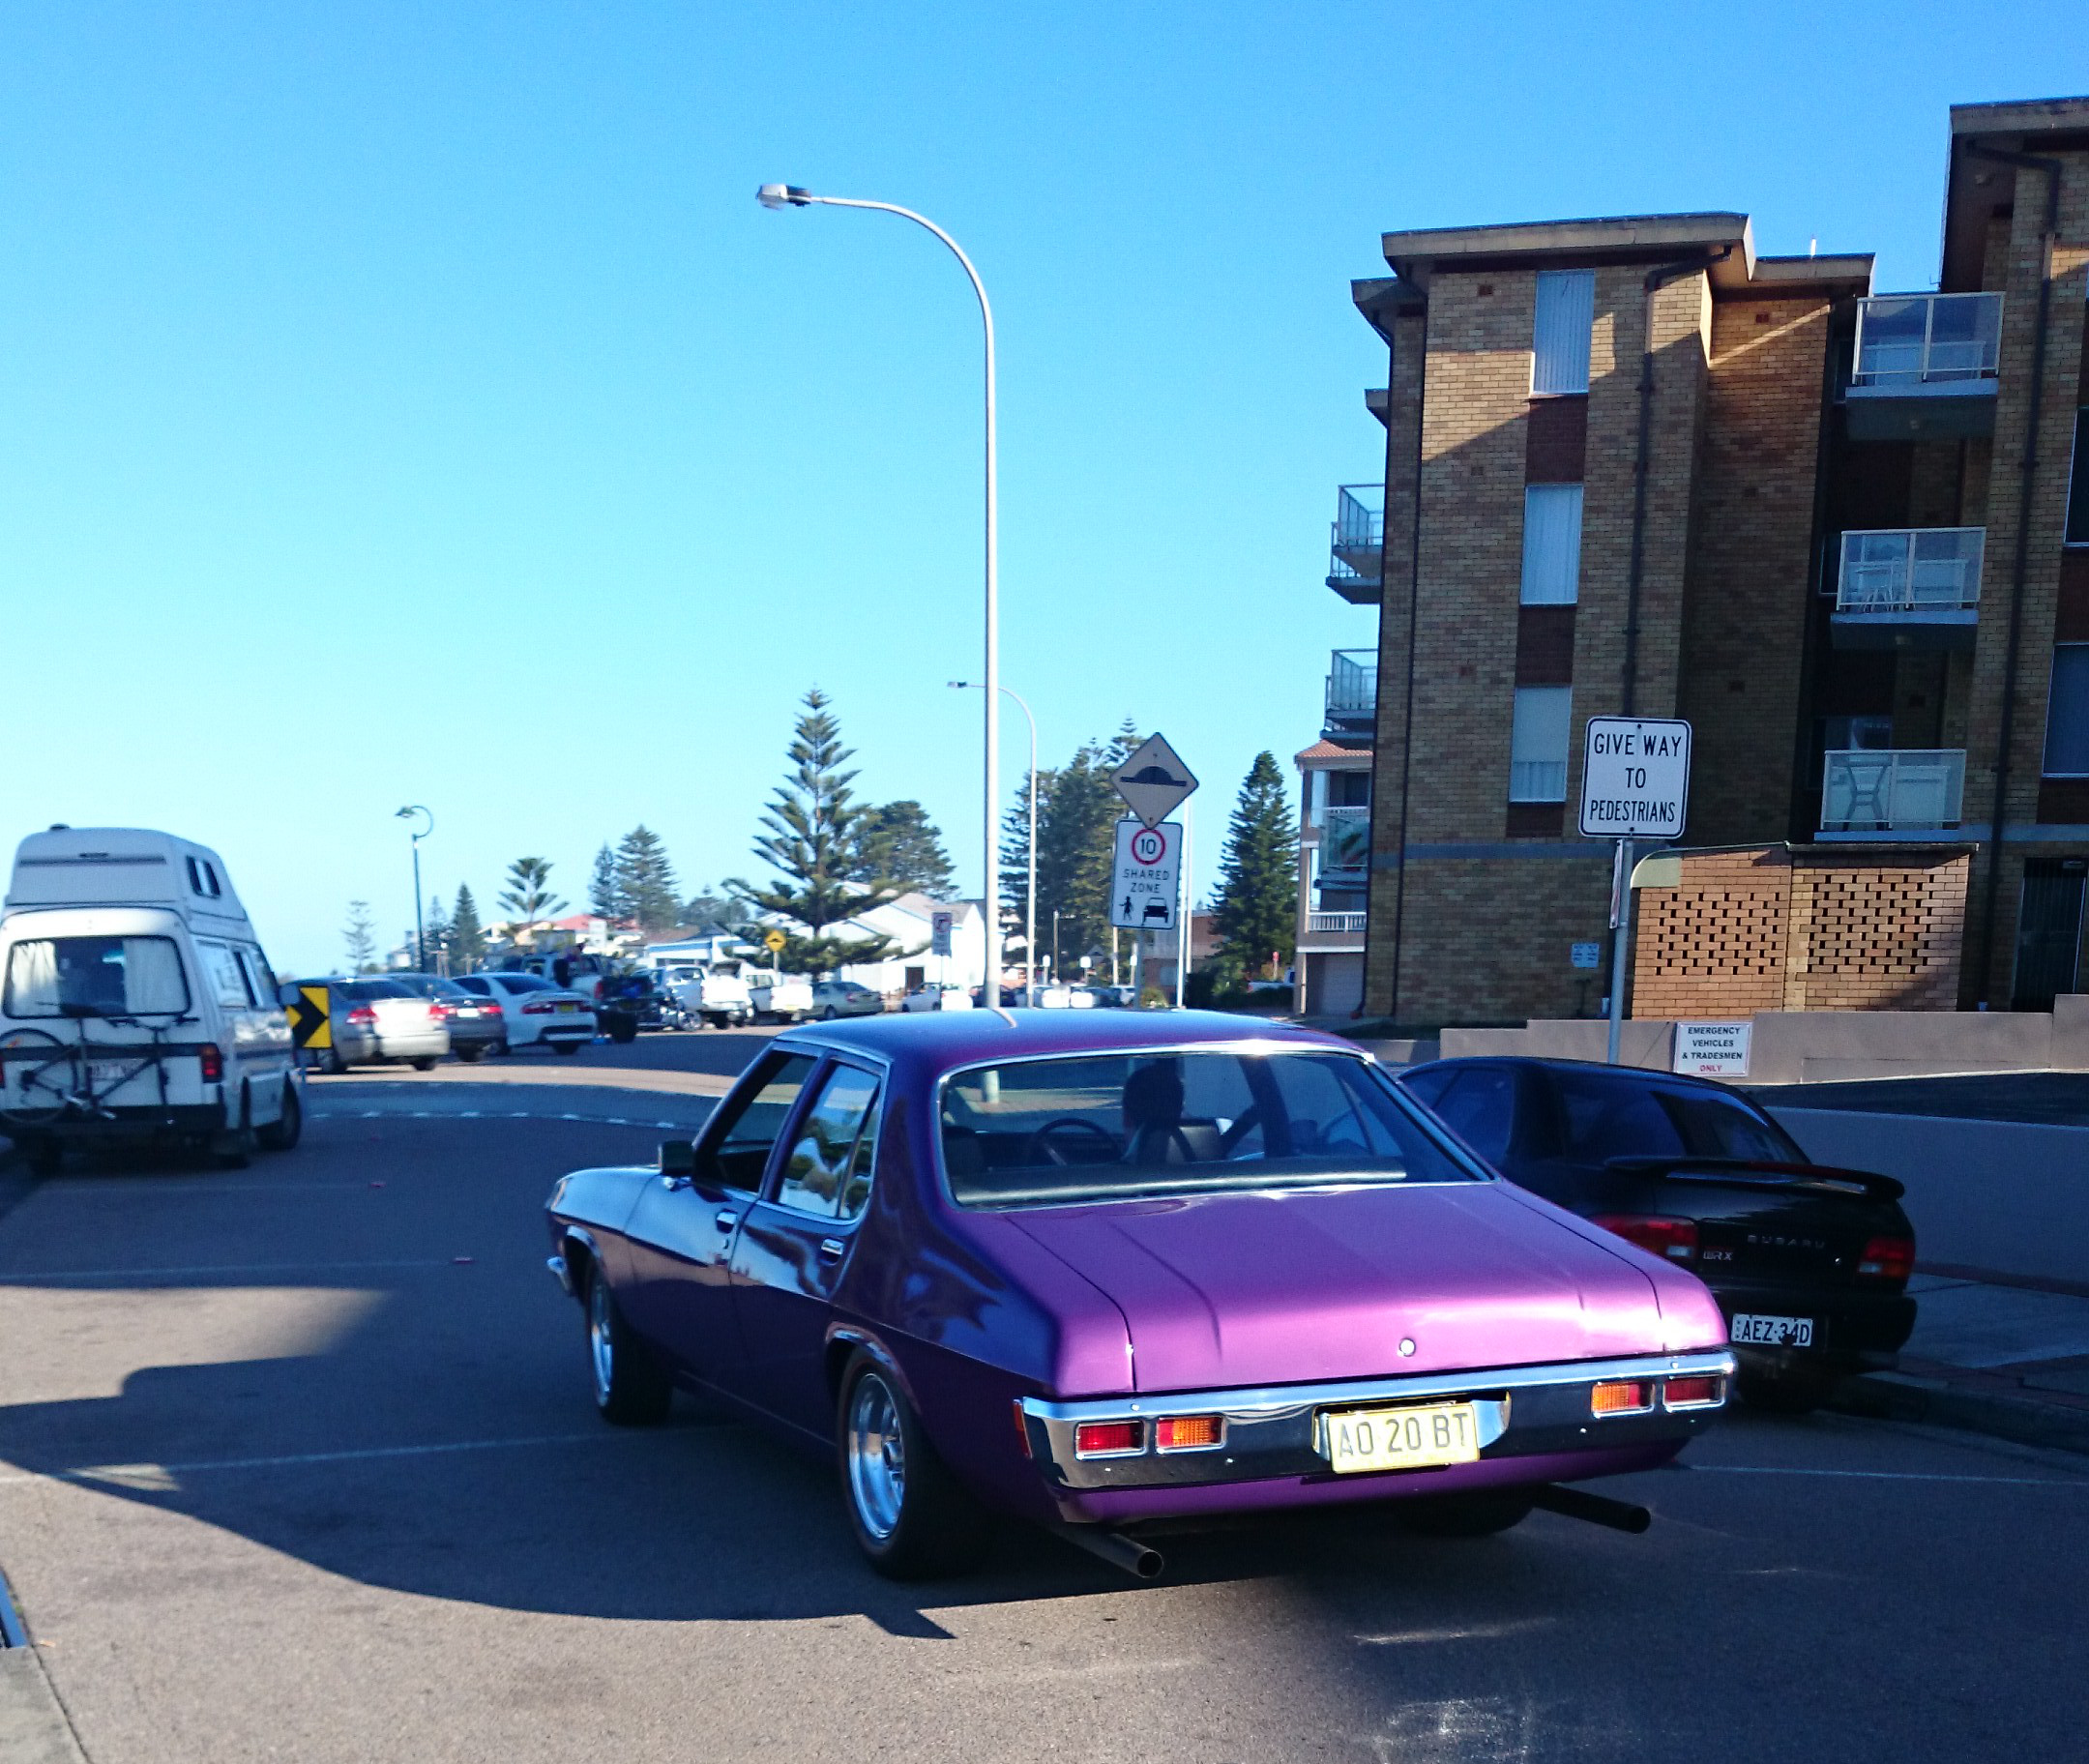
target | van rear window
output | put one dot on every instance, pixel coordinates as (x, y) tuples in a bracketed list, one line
[(83, 977)]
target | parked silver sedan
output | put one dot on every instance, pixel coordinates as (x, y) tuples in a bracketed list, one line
[(375, 1020), (832, 998)]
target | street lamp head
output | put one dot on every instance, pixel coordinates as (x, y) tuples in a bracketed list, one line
[(782, 196), (403, 814), (958, 686)]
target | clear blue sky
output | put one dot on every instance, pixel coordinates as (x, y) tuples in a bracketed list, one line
[(409, 403)]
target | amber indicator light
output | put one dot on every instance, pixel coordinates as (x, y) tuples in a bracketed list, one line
[(1628, 1397), (1187, 1432)]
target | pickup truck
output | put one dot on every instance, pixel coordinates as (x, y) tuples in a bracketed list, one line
[(717, 994), (783, 998)]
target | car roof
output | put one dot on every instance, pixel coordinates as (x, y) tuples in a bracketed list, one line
[(1597, 1069), (939, 1041)]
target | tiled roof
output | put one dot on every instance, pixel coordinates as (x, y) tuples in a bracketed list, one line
[(1329, 749)]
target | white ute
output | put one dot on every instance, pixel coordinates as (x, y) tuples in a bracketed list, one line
[(136, 1004)]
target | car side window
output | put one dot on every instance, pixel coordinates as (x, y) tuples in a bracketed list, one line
[(261, 974), (1478, 1106), (221, 968), (823, 1156), (748, 1130)]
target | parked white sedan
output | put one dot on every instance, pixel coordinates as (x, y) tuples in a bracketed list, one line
[(937, 996), (538, 1013)]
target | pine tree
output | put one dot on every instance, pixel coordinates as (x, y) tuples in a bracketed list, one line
[(1258, 873), (645, 880), (468, 936), (603, 898), (360, 936), (898, 846), (810, 843), (1077, 813), (528, 894), (435, 936)]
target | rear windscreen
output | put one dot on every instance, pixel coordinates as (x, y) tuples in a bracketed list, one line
[(1109, 1126), (1601, 1118), (94, 977)]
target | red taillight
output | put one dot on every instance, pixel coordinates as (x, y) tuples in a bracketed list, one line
[(1022, 1425), (1102, 1438), (438, 1011), (364, 1014), (1693, 1392), (1631, 1396), (539, 1010), (211, 1058), (1188, 1432), (1887, 1258), (1673, 1238)]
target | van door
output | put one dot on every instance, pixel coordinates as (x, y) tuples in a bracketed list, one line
[(240, 1029)]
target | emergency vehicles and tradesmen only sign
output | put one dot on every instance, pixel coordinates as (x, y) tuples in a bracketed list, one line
[(1634, 778)]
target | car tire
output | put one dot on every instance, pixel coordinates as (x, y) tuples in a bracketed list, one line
[(471, 1056), (501, 1049), (234, 1147), (568, 1048), (334, 1064), (288, 1128), (1797, 1391), (632, 1388), (424, 1063), (1464, 1515), (828, 1015), (912, 1519)]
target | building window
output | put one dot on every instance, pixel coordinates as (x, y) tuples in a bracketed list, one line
[(1538, 744), (2077, 517), (2067, 712), (1551, 544), (1560, 346)]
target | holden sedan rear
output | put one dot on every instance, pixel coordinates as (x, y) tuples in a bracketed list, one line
[(1110, 1272)]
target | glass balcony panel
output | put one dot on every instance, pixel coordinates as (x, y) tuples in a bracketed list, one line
[(1344, 838), (1893, 790), (1920, 338), (1910, 570)]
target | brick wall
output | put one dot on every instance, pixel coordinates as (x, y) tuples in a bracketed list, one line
[(1747, 601), (1773, 930), (1490, 940), (2021, 261)]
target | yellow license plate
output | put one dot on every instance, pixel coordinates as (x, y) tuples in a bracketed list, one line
[(1410, 1438)]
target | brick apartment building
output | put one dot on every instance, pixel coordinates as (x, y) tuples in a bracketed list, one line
[(1632, 466)]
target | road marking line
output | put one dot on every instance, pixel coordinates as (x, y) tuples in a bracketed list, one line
[(13, 1275), (1892, 1476), (115, 1472), (1479, 1631)]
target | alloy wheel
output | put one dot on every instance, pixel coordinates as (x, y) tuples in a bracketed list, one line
[(876, 1456), (602, 1350)]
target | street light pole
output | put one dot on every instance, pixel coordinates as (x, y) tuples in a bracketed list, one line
[(790, 195), (420, 931), (1030, 893)]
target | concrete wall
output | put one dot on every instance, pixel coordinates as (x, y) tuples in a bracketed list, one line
[(1826, 1047), (2007, 1197)]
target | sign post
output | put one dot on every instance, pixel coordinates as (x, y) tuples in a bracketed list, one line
[(1634, 785), (1153, 782)]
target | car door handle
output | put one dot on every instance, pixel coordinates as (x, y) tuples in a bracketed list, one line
[(832, 1249), (727, 1219)]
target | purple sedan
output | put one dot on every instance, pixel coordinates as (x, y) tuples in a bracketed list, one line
[(1101, 1270)]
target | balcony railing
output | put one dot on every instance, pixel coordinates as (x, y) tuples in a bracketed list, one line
[(1906, 569), (1890, 790), (1352, 690), (1920, 340), (1336, 922), (1345, 837), (1357, 541)]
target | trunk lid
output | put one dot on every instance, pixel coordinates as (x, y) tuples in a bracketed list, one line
[(1248, 1289)]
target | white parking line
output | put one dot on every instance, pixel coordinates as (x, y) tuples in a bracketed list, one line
[(1894, 1475), (158, 1472), (15, 1275)]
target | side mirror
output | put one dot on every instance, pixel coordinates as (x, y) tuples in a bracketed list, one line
[(677, 1158)]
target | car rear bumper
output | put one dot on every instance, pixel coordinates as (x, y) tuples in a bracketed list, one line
[(123, 1122), (1532, 1421), (414, 1044), (1854, 1328)]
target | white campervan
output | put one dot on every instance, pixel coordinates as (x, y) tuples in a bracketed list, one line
[(135, 1003)]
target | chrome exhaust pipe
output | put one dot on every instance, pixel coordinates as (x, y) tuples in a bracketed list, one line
[(1595, 1509), (1140, 1560)]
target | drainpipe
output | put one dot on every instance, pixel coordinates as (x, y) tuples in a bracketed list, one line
[(1414, 602), (1656, 279), (2021, 565)]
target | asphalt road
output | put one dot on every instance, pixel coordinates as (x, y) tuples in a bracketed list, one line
[(299, 1463)]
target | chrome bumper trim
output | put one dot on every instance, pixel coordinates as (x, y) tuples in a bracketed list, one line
[(1271, 1430)]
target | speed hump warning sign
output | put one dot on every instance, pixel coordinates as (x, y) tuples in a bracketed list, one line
[(310, 1024)]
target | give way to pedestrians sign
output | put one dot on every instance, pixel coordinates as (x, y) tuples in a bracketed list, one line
[(1142, 879)]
